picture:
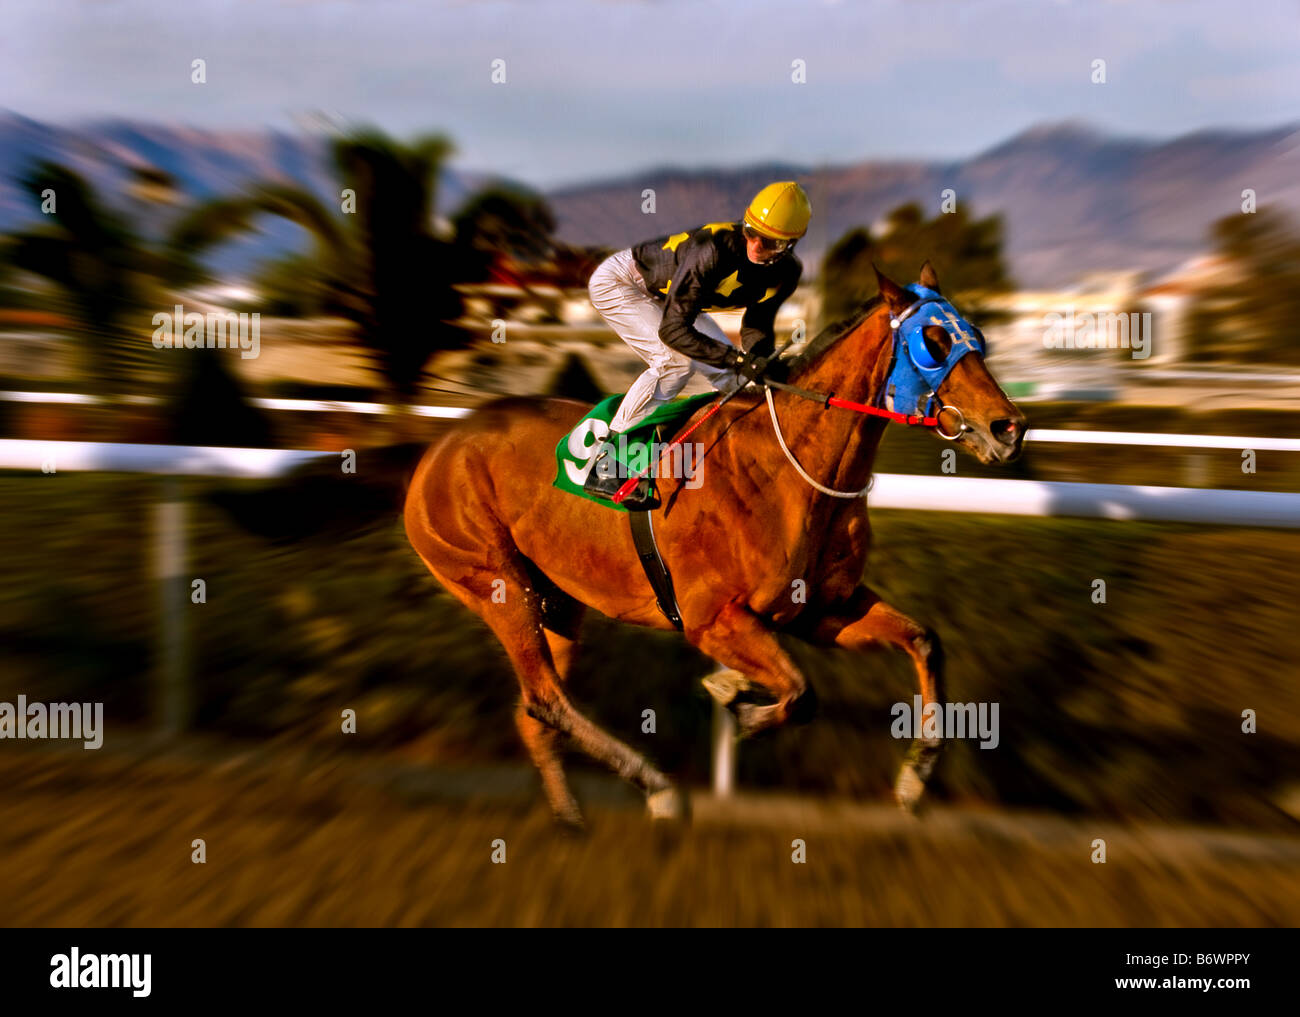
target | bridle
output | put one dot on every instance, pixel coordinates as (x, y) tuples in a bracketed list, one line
[(913, 379)]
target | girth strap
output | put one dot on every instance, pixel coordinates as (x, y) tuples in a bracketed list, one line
[(643, 536)]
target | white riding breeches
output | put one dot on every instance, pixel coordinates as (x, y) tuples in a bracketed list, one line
[(619, 293)]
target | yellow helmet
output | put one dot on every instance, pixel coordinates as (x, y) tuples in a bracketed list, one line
[(780, 211)]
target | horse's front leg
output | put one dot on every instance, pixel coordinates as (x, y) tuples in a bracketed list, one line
[(865, 621), (739, 639)]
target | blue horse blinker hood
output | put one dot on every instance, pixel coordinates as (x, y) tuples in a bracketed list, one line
[(914, 374)]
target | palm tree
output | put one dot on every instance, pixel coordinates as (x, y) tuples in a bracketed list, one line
[(111, 277), (388, 272), (97, 260)]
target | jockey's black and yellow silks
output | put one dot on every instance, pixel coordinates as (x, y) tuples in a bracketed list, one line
[(707, 269)]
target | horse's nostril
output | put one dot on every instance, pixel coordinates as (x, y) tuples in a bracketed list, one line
[(1007, 430)]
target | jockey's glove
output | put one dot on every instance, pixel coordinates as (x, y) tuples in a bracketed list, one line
[(754, 367)]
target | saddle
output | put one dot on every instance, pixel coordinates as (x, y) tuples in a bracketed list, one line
[(635, 451), (573, 452)]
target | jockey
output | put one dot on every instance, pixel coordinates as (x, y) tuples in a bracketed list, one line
[(655, 297)]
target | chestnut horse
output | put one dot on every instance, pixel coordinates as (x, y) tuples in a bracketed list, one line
[(528, 558)]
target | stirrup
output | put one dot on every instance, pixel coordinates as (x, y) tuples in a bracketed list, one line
[(604, 487), (598, 483), (642, 496)]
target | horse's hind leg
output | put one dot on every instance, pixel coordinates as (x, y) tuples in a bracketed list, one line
[(540, 740), (560, 621), (474, 556), (506, 596), (866, 621), (562, 618), (663, 800)]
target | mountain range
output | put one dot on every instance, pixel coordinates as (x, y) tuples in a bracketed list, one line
[(1074, 199)]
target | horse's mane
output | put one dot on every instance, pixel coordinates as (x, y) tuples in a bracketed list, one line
[(830, 335)]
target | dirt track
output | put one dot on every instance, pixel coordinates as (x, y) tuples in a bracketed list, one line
[(97, 839)]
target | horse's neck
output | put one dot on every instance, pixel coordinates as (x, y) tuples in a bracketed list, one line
[(835, 445)]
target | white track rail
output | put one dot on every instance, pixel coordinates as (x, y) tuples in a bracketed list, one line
[(1046, 435)]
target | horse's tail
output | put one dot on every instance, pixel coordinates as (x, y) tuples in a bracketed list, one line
[(320, 500)]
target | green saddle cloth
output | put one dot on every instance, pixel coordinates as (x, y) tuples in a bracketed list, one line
[(574, 451)]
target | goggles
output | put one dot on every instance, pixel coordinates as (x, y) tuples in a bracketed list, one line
[(768, 243)]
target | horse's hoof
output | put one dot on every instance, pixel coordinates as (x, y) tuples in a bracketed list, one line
[(752, 719), (724, 686), (570, 824), (668, 804), (908, 789)]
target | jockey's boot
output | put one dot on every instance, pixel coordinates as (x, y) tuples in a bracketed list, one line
[(605, 478)]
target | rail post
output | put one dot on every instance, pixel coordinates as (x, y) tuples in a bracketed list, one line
[(724, 749), (173, 699)]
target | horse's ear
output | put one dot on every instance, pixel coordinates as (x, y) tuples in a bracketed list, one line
[(928, 278), (894, 295)]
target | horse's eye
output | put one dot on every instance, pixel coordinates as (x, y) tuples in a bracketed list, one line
[(938, 343)]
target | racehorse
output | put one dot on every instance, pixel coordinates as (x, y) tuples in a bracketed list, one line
[(529, 558)]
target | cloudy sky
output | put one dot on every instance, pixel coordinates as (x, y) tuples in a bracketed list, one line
[(598, 88)]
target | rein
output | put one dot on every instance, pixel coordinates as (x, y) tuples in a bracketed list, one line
[(829, 399), (771, 408)]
